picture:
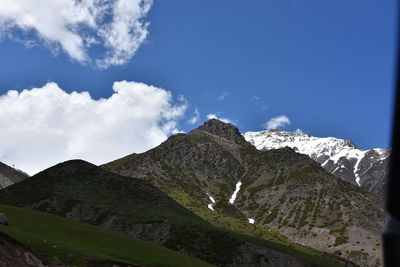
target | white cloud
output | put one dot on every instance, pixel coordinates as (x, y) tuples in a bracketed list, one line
[(258, 103), (195, 118), (211, 116), (223, 96), (214, 116), (277, 122), (76, 25), (44, 126), (298, 130)]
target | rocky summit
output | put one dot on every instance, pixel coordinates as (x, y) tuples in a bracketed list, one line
[(215, 173), (365, 168)]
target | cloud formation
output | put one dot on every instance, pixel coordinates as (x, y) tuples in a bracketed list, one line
[(223, 96), (195, 118), (74, 26), (44, 126), (214, 116), (277, 122)]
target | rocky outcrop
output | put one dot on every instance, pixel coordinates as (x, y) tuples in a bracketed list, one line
[(222, 130)]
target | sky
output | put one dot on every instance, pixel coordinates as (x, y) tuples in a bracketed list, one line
[(98, 80)]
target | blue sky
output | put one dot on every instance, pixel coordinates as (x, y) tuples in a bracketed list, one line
[(326, 65)]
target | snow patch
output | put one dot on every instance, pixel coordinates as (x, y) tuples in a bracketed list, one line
[(211, 198), (211, 206), (359, 158), (325, 162), (337, 168), (251, 221), (233, 197)]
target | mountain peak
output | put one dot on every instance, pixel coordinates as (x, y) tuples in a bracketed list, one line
[(222, 129), (75, 163), (69, 166), (213, 125)]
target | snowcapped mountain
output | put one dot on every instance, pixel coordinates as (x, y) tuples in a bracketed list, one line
[(10, 175), (365, 168)]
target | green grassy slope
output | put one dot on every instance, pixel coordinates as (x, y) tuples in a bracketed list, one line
[(78, 243)]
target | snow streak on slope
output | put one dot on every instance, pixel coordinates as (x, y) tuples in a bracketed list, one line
[(356, 169), (338, 156), (211, 206), (233, 197)]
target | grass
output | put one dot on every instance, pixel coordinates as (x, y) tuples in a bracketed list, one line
[(78, 243)]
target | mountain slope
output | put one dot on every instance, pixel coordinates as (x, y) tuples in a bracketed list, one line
[(9, 175), (214, 172), (365, 168), (83, 192), (79, 244)]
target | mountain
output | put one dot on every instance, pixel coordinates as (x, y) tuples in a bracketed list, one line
[(215, 173), (10, 175), (81, 191), (365, 168)]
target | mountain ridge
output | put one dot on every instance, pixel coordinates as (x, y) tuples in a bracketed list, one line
[(340, 157)]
